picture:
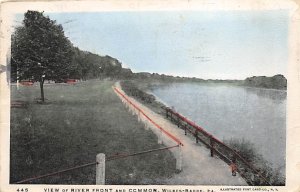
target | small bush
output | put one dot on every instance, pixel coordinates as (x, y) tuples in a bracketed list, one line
[(131, 89), (247, 150)]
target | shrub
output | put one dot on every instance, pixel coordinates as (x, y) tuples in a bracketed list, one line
[(247, 150)]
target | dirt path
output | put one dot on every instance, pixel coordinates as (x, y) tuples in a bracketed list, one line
[(198, 168)]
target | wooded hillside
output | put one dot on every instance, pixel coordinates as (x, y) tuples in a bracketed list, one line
[(275, 82)]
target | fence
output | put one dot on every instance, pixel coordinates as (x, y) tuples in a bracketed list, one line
[(251, 174), (100, 165), (157, 129), (140, 112)]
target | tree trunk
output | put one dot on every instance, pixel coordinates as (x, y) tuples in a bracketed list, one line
[(42, 90)]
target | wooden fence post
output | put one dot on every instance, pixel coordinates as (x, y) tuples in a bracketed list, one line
[(160, 135), (179, 158), (211, 147), (100, 169), (196, 136)]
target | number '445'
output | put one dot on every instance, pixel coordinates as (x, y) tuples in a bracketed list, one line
[(22, 190)]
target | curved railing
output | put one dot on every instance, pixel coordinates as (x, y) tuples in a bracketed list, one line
[(251, 174)]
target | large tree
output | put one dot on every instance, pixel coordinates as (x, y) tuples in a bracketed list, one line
[(40, 50)]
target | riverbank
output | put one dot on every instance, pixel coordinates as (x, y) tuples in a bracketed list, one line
[(198, 168), (221, 99), (76, 123)]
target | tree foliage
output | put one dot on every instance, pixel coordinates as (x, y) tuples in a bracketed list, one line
[(39, 47), (40, 50), (87, 65), (275, 82)]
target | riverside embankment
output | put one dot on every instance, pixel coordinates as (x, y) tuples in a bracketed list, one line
[(197, 165)]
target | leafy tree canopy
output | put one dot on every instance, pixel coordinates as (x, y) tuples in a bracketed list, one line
[(40, 50)]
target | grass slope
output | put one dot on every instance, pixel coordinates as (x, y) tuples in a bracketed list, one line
[(78, 122)]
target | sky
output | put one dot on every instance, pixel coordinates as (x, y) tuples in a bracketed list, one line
[(208, 45)]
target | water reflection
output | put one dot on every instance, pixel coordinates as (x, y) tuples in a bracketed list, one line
[(276, 95)]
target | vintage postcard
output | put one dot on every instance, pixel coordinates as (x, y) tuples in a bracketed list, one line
[(150, 96)]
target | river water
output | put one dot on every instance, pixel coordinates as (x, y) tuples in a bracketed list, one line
[(233, 112)]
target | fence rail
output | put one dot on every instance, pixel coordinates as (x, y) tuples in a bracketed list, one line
[(148, 118), (56, 172), (111, 158), (226, 153), (139, 153)]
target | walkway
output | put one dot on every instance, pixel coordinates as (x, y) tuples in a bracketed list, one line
[(198, 168)]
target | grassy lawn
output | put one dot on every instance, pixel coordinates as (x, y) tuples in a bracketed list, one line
[(78, 122)]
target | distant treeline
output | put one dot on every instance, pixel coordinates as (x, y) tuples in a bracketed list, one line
[(87, 65), (275, 82), (170, 78)]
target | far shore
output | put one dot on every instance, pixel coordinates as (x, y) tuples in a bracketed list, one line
[(277, 82)]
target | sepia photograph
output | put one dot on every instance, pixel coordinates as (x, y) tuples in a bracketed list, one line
[(170, 96)]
